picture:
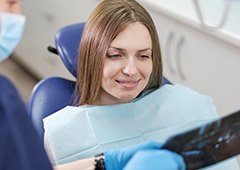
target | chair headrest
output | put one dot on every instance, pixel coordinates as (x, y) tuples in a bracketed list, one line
[(67, 42)]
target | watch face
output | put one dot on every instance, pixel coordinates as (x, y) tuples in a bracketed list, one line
[(208, 144)]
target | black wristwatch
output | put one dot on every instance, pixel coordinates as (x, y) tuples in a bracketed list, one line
[(99, 162)]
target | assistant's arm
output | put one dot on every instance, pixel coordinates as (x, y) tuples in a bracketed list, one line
[(153, 159), (114, 160)]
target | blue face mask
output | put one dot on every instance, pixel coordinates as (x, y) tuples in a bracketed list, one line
[(11, 30)]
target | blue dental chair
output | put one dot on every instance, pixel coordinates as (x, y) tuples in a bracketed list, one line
[(54, 93)]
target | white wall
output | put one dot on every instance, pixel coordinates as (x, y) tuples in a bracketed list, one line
[(44, 18)]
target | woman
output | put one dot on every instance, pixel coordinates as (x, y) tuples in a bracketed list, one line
[(106, 22), (118, 95)]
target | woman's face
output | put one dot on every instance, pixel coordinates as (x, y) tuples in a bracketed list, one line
[(127, 66)]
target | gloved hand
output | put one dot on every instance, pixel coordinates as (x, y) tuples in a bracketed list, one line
[(117, 159), (155, 160)]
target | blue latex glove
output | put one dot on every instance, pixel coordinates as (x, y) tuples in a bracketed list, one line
[(155, 160), (117, 159)]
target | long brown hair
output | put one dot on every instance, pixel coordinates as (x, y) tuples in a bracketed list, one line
[(107, 20)]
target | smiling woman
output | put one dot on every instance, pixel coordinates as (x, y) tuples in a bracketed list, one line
[(127, 67), (127, 28)]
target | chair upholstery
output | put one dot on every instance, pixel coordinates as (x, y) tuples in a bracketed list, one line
[(52, 94), (48, 96), (67, 43)]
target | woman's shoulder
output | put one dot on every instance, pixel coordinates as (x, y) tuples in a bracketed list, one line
[(184, 93), (188, 101), (170, 90), (194, 103), (177, 90)]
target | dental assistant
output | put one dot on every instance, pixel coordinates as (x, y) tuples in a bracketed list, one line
[(20, 146), (11, 27)]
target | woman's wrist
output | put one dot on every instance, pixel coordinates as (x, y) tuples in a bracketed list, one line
[(83, 164)]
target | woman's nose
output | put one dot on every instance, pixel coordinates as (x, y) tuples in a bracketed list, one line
[(130, 68)]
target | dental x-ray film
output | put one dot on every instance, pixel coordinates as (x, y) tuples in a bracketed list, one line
[(208, 144)]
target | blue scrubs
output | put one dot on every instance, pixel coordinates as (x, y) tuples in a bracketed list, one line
[(20, 146)]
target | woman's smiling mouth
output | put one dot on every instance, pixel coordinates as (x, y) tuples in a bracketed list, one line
[(128, 84)]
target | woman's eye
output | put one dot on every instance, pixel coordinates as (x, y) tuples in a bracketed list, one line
[(144, 57), (114, 56)]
